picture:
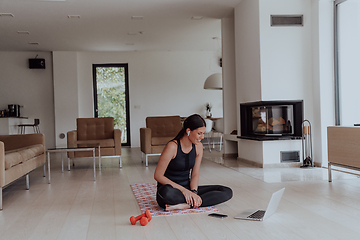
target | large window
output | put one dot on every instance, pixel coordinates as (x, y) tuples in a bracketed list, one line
[(347, 67)]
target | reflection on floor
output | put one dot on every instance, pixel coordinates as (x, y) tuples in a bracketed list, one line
[(275, 175)]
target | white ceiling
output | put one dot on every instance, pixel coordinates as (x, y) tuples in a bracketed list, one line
[(106, 25)]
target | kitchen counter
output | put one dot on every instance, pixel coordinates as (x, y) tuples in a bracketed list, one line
[(9, 125)]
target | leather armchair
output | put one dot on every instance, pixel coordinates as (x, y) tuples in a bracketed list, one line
[(90, 131), (158, 132)]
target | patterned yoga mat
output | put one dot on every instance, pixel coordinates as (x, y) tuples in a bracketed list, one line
[(145, 194)]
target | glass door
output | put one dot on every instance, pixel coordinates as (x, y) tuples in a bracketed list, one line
[(111, 96)]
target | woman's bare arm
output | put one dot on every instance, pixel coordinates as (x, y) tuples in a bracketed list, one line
[(194, 182)]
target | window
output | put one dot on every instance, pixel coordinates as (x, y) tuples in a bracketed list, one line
[(347, 68)]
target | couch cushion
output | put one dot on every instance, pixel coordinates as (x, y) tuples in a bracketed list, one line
[(156, 141), (17, 156)]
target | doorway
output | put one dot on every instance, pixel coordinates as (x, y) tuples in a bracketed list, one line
[(111, 96)]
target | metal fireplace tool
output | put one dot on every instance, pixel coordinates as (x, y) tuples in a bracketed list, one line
[(307, 154)]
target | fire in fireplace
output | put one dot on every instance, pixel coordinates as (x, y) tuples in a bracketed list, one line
[(271, 120)]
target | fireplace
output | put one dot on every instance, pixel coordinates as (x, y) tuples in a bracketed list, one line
[(271, 120)]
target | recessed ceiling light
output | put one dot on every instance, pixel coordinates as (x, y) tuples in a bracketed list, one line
[(196, 17), (73, 16), (23, 32), (6, 15), (137, 17), (34, 43), (135, 33)]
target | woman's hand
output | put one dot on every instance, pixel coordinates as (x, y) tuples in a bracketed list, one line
[(192, 198), (197, 201)]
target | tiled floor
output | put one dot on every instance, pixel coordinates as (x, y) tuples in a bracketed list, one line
[(74, 206), (275, 175)]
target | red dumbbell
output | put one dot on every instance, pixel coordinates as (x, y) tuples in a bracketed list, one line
[(146, 215), (144, 221)]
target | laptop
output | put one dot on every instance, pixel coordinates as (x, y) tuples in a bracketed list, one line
[(260, 215)]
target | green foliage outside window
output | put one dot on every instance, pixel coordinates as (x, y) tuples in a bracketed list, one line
[(111, 96)]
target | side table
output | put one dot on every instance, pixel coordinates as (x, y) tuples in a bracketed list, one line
[(65, 150)]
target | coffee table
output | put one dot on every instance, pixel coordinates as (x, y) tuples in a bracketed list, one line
[(92, 148)]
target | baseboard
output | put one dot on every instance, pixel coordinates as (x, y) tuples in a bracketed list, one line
[(259, 165), (283, 165), (275, 165), (230, 155), (316, 164)]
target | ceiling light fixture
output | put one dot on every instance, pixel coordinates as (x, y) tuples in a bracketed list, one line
[(73, 16), (137, 17), (214, 81), (23, 32), (196, 17), (6, 15)]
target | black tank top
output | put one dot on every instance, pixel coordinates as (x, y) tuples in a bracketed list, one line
[(179, 167)]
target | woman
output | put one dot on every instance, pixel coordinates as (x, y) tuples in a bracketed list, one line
[(181, 156)]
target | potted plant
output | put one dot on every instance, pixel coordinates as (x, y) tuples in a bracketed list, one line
[(208, 108)]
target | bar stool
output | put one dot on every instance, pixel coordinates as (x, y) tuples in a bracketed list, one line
[(208, 132), (35, 126), (218, 130)]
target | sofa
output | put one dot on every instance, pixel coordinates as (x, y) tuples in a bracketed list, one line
[(158, 132), (19, 155), (90, 131)]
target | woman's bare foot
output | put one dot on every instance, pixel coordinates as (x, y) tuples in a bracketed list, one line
[(180, 206)]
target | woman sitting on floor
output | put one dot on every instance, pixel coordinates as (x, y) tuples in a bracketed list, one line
[(181, 156)]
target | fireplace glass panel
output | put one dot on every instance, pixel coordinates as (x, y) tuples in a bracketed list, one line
[(270, 120)]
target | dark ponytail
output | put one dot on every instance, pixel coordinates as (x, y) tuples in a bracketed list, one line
[(192, 122)]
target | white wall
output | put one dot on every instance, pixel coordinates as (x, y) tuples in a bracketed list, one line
[(230, 106), (286, 54), (65, 94), (160, 83), (286, 64), (247, 47), (293, 65), (248, 75), (31, 88), (324, 93)]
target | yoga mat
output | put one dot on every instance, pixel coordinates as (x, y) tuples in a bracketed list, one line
[(145, 194)]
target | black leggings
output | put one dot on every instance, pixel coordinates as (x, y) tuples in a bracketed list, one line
[(210, 195)]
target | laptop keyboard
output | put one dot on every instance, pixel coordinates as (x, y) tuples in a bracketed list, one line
[(257, 215)]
